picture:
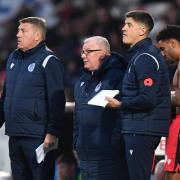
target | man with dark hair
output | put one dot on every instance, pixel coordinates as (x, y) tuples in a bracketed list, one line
[(168, 41), (143, 18), (145, 94), (33, 102)]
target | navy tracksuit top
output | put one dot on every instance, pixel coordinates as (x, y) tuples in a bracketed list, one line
[(146, 100), (95, 126), (33, 96)]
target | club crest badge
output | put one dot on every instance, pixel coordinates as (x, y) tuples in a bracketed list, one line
[(31, 67), (82, 83), (98, 87), (129, 70), (12, 65)]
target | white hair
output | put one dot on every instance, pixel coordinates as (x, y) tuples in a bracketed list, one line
[(101, 42)]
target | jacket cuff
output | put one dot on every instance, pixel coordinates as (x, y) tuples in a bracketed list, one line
[(53, 131), (125, 105)]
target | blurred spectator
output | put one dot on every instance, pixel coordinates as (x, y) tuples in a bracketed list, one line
[(9, 9), (68, 167), (72, 74)]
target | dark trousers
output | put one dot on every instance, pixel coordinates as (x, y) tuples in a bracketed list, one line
[(104, 170), (23, 160), (139, 151)]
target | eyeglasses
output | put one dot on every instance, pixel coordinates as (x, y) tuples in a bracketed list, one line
[(88, 51)]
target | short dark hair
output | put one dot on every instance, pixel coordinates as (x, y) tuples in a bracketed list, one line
[(169, 32), (39, 22), (142, 17)]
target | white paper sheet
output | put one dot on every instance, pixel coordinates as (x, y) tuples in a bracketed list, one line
[(100, 98), (41, 153)]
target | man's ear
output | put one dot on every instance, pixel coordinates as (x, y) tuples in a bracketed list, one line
[(38, 35), (142, 30), (173, 43), (103, 55)]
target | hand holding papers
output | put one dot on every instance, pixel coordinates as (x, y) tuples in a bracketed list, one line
[(41, 152), (100, 98)]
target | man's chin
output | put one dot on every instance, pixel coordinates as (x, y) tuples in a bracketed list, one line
[(19, 47), (125, 42), (86, 68)]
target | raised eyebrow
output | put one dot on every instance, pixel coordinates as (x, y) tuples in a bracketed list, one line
[(22, 29), (127, 23), (86, 50)]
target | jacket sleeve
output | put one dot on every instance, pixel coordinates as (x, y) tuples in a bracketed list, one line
[(146, 70), (2, 119), (75, 129), (75, 120), (54, 75)]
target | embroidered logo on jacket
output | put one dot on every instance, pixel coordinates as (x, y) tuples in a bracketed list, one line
[(31, 67), (12, 65), (129, 70), (82, 83), (98, 87), (131, 151)]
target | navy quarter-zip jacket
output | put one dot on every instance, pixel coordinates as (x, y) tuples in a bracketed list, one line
[(146, 99), (95, 126), (33, 97)]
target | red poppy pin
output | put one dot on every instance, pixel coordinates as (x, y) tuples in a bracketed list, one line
[(148, 82)]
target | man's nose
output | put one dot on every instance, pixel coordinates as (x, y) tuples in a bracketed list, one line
[(124, 28), (83, 55), (18, 34)]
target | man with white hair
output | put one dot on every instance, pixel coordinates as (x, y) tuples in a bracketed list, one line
[(96, 136)]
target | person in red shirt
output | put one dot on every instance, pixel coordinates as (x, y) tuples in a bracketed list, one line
[(169, 43)]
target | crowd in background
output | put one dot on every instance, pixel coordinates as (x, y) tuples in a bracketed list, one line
[(70, 21)]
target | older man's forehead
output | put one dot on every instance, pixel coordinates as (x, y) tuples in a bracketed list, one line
[(91, 43)]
